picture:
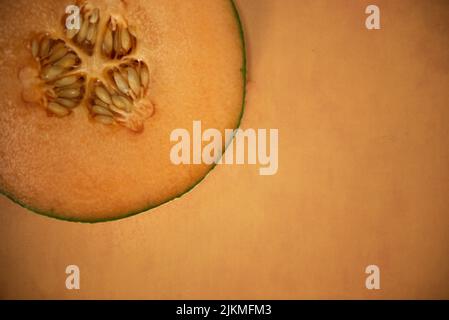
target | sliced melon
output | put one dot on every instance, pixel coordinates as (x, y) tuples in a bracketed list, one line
[(72, 151)]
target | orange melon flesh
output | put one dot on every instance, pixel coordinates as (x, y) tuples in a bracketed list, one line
[(75, 169)]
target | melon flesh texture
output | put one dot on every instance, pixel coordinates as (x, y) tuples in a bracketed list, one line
[(76, 169)]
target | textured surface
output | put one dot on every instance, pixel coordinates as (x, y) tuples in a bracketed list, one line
[(363, 177)]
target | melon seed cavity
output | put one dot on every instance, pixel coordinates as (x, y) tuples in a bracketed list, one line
[(117, 96)]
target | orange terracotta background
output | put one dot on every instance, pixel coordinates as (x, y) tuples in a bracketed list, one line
[(363, 177)]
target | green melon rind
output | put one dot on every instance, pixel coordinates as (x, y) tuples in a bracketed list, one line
[(133, 213)]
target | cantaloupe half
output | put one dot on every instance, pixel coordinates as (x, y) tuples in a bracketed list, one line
[(75, 164)]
